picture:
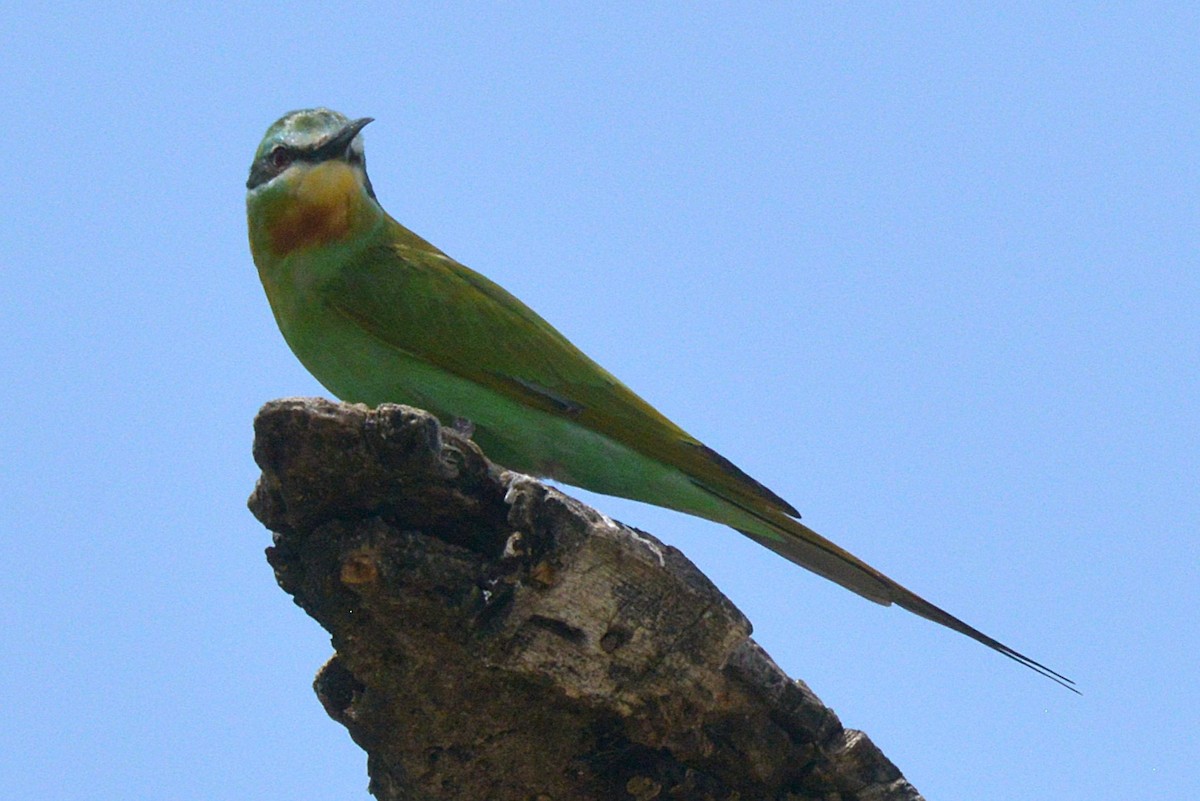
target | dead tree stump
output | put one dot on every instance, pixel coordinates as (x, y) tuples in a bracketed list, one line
[(498, 640)]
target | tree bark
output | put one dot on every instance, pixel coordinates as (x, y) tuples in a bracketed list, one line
[(496, 639)]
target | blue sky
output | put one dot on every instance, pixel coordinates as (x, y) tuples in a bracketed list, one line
[(929, 273)]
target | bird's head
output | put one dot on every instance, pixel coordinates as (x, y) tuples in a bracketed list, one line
[(308, 182)]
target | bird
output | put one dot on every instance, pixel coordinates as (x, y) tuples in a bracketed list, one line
[(377, 314)]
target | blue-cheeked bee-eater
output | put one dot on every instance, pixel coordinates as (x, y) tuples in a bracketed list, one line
[(378, 314)]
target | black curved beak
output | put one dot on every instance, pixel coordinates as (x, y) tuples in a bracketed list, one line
[(339, 143)]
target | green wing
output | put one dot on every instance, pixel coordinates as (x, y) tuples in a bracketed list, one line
[(414, 298)]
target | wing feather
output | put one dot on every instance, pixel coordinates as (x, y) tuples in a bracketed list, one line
[(417, 299)]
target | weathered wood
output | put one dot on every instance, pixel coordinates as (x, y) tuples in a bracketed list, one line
[(496, 639)]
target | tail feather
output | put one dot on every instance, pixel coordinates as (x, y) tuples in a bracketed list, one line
[(914, 603), (800, 544)]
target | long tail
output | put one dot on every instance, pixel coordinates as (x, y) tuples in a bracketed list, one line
[(800, 544)]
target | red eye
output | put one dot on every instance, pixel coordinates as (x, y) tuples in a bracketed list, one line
[(280, 157)]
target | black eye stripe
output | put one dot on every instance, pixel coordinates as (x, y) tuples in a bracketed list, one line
[(268, 166)]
